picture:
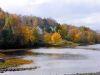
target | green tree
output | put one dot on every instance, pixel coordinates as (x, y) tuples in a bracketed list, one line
[(7, 36), (36, 35), (12, 22)]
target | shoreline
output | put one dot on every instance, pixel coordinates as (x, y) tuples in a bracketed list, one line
[(33, 68), (24, 49), (96, 73), (16, 69)]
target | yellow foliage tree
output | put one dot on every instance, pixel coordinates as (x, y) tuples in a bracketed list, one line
[(26, 33), (91, 37), (77, 37), (47, 37), (35, 34), (56, 38)]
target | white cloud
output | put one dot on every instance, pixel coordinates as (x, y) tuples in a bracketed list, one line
[(13, 2), (38, 2), (92, 21), (89, 19), (79, 12)]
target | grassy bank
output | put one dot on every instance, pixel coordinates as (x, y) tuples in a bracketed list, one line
[(13, 63)]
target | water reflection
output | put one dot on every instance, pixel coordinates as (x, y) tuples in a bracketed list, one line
[(61, 60), (55, 56), (61, 56)]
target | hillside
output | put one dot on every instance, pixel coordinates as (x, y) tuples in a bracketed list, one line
[(18, 31)]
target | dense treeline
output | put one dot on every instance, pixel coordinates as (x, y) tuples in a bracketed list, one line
[(29, 31)]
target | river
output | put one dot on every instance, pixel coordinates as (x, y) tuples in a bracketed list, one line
[(57, 61)]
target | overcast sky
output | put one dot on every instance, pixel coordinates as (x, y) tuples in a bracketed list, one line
[(76, 12)]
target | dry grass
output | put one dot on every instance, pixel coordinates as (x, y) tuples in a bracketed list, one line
[(14, 63), (19, 61), (2, 55)]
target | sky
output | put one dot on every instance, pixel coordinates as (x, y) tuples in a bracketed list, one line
[(75, 12)]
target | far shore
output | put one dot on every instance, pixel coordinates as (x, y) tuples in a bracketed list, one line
[(25, 49), (14, 50), (96, 73)]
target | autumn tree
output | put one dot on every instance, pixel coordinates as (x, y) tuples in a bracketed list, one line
[(56, 38), (97, 37), (63, 30), (36, 35), (74, 35), (91, 37), (77, 37), (47, 37), (2, 19), (12, 22), (83, 28), (36, 22), (26, 33)]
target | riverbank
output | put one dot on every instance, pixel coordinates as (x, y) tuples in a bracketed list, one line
[(25, 71), (97, 73), (16, 69)]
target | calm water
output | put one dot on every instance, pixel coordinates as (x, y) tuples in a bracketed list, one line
[(62, 61)]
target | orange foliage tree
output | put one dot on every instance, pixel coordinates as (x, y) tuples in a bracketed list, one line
[(47, 37), (26, 33), (74, 35), (56, 38)]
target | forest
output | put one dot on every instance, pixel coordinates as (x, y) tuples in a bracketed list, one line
[(17, 31)]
